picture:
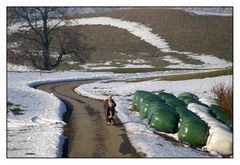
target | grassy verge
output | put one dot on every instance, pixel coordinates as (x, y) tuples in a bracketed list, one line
[(137, 70), (201, 75), (222, 72)]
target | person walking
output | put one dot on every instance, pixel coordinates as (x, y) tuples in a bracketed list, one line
[(109, 107)]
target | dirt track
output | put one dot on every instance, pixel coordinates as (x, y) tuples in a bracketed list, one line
[(87, 132)]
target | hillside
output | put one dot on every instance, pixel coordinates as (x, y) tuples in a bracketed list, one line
[(210, 35)]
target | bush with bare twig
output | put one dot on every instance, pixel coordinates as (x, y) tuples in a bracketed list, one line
[(224, 96)]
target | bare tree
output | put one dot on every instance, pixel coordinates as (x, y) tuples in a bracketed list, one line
[(46, 35)]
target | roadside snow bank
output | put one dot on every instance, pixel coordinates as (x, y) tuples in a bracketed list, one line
[(140, 135), (39, 131), (139, 30)]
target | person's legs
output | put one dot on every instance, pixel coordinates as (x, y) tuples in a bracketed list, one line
[(112, 118), (107, 117)]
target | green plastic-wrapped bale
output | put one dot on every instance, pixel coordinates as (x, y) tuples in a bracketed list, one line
[(142, 97), (193, 132), (188, 94), (137, 98), (184, 113), (164, 120), (174, 102), (188, 100), (145, 105), (164, 96), (155, 106), (219, 113)]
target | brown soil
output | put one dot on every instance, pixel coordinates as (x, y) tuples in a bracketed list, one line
[(184, 32), (86, 131)]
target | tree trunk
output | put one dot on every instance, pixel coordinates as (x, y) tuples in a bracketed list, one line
[(46, 62), (61, 53), (46, 59)]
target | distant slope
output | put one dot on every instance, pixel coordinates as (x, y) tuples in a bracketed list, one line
[(183, 31)]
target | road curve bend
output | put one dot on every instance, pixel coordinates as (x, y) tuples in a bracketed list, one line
[(86, 130)]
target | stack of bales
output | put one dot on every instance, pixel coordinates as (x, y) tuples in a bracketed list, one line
[(160, 116), (170, 114), (192, 129), (167, 113)]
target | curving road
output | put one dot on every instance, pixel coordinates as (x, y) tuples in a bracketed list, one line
[(86, 131)]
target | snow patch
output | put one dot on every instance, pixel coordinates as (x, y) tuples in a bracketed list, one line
[(217, 11), (19, 68), (137, 66)]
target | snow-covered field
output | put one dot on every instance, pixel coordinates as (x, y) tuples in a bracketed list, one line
[(39, 131)]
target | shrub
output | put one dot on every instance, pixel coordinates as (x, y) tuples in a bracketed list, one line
[(224, 96)]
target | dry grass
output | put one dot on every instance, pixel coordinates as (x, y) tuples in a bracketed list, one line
[(224, 95), (200, 75), (222, 72), (184, 32)]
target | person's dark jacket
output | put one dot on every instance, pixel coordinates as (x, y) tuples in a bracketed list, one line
[(108, 109)]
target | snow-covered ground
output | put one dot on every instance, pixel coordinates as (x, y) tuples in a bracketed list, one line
[(141, 31), (139, 132), (137, 63), (19, 68), (39, 131)]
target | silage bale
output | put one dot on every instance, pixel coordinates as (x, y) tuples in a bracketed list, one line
[(137, 98), (145, 105), (219, 113), (188, 94), (164, 119), (187, 100), (184, 114), (174, 103), (154, 106), (164, 96), (192, 129), (193, 132), (143, 95)]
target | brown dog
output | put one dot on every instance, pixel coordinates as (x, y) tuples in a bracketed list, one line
[(110, 119)]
